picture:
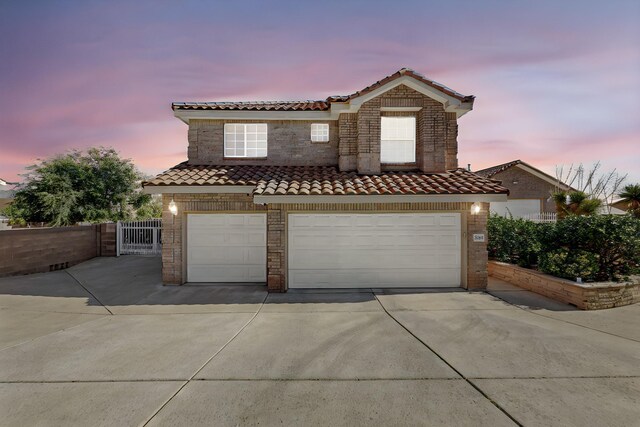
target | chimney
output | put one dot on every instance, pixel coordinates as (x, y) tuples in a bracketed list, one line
[(469, 167)]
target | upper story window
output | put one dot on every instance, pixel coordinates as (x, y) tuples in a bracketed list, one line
[(245, 140), (319, 132), (398, 140)]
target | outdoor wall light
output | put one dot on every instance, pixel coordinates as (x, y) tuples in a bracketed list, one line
[(475, 208), (173, 208)]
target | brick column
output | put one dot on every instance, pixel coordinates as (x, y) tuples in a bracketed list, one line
[(171, 242), (276, 256), (369, 137), (477, 255)]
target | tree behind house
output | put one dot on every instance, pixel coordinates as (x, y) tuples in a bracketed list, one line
[(94, 186)]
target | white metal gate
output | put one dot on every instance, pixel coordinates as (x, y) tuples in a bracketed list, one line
[(139, 237)]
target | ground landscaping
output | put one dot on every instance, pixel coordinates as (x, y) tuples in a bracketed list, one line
[(590, 252)]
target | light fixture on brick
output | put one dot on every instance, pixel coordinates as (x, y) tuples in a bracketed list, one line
[(173, 208), (475, 208)]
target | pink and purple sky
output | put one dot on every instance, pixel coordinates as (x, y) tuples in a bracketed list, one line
[(557, 82)]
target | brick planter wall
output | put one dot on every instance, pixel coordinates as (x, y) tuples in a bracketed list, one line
[(586, 296), (37, 250)]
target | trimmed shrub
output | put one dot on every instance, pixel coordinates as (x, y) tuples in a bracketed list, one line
[(598, 247), (569, 264), (513, 240)]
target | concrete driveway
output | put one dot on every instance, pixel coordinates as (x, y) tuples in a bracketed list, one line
[(103, 343)]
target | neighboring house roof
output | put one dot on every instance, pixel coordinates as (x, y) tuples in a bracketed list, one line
[(321, 105), (494, 170), (326, 180), (3, 182)]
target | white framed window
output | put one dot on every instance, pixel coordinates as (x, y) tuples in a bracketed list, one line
[(245, 140), (319, 132), (398, 140)]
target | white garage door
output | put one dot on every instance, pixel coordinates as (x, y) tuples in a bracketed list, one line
[(226, 248), (516, 207), (374, 250)]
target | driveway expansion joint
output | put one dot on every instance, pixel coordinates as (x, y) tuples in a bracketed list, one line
[(462, 376), (205, 363)]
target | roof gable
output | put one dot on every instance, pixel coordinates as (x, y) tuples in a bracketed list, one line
[(494, 170), (334, 105)]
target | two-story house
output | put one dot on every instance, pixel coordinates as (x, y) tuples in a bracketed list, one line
[(357, 191)]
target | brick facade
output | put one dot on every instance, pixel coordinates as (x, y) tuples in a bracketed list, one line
[(523, 185), (173, 249), (288, 143), (354, 138)]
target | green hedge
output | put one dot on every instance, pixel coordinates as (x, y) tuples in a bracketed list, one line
[(595, 248)]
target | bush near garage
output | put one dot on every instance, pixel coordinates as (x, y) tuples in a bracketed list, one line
[(513, 240), (596, 248)]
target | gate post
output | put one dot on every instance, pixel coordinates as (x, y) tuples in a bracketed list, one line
[(118, 238)]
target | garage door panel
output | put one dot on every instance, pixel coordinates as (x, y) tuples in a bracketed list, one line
[(226, 248), (357, 278), (378, 250), (225, 273)]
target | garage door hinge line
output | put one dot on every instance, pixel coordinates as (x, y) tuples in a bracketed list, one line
[(449, 364), (207, 362)]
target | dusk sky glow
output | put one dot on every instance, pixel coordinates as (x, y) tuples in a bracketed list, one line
[(557, 82)]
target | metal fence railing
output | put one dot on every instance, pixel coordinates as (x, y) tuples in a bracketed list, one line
[(541, 217), (139, 237)]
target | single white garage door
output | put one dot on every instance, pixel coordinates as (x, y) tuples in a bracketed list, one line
[(226, 248), (516, 207), (374, 250)]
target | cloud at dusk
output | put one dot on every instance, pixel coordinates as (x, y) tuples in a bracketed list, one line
[(556, 82)]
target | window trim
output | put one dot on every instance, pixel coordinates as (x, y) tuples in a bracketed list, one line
[(224, 146), (415, 137), (322, 134)]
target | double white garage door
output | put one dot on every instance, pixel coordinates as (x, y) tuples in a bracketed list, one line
[(341, 250)]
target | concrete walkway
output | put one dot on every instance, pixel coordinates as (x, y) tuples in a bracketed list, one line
[(103, 343)]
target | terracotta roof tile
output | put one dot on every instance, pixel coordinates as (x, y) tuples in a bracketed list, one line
[(254, 105), (327, 180), (316, 105)]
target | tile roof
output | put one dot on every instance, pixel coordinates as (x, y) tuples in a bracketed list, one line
[(254, 105), (327, 180), (403, 72), (321, 105)]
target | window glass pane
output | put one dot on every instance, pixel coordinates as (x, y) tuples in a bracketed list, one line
[(398, 140), (245, 140), (319, 132)]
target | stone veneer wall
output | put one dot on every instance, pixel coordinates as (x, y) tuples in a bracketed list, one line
[(586, 296), (173, 262)]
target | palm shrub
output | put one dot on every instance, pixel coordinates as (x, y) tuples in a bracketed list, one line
[(631, 196), (575, 203)]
